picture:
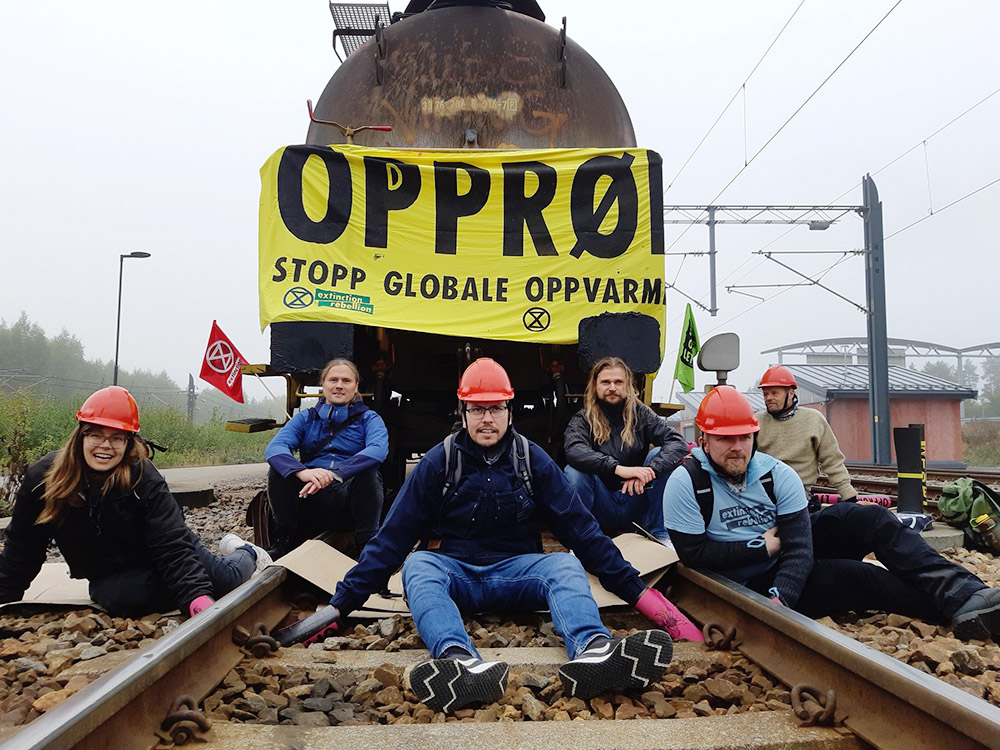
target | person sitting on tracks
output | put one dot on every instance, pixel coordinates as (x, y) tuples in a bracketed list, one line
[(115, 522), (341, 444), (608, 456), (475, 504), (743, 513), (803, 439)]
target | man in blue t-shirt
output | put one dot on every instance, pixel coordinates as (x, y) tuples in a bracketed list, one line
[(743, 514)]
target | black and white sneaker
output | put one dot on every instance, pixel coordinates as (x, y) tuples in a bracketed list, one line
[(979, 617), (450, 684), (618, 664)]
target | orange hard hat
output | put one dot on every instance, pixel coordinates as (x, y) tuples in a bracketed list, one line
[(778, 375), (726, 411), (111, 407), (485, 380)]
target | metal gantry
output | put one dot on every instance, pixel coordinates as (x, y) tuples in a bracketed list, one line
[(820, 218)]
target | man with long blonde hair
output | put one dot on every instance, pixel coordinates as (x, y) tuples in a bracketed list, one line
[(608, 457)]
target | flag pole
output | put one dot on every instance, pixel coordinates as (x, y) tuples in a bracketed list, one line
[(261, 381)]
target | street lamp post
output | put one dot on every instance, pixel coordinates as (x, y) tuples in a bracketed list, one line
[(118, 325)]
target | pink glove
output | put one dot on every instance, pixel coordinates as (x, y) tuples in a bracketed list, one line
[(203, 602), (312, 629), (656, 608)]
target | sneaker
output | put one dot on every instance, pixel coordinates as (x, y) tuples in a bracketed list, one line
[(450, 684), (618, 664), (979, 617), (231, 542)]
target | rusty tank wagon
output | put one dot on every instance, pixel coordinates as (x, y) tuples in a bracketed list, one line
[(462, 74)]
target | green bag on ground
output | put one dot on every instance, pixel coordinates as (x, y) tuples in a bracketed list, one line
[(964, 500)]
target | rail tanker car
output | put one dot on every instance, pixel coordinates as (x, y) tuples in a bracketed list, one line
[(470, 75)]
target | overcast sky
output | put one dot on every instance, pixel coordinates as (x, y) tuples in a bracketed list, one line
[(141, 126)]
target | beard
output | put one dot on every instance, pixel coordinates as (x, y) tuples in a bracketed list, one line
[(735, 466)]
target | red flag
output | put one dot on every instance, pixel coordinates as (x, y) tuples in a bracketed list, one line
[(221, 366)]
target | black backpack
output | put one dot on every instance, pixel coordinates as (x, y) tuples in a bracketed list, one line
[(520, 454), (260, 517), (701, 480)]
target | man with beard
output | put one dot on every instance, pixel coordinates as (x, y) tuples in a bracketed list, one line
[(473, 507), (608, 456), (743, 513)]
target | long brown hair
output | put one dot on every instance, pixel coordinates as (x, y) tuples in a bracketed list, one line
[(67, 474), (599, 425), (340, 361)]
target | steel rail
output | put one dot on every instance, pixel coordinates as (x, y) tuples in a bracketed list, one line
[(127, 704), (881, 700)]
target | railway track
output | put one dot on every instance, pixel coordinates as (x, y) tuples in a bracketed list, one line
[(881, 480), (871, 700)]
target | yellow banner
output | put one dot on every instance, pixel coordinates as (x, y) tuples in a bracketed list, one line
[(518, 245)]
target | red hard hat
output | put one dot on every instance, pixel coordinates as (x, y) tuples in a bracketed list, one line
[(485, 380), (726, 411), (111, 407), (778, 375)]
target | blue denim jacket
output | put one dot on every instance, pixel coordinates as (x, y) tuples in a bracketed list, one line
[(490, 517)]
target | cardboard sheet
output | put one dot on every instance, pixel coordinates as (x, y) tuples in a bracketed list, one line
[(325, 567), (54, 586)]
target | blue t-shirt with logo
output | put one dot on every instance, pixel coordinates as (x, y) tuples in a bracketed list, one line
[(739, 513)]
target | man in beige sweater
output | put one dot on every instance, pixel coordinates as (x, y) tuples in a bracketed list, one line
[(802, 438)]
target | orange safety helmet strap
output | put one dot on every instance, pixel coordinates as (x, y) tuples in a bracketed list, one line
[(485, 380), (726, 411), (778, 375), (111, 407)]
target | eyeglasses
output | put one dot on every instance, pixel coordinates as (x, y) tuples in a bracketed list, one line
[(479, 411), (97, 438)]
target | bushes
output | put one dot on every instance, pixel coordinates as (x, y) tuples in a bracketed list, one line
[(205, 445), (981, 443), (31, 426)]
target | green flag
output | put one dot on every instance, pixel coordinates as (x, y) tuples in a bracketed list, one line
[(688, 350)]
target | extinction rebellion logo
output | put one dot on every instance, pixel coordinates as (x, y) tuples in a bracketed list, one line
[(298, 298)]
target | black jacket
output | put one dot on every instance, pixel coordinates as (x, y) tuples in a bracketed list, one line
[(585, 454), (140, 528)]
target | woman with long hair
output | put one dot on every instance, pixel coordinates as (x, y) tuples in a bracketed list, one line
[(335, 480), (115, 522), (609, 459)]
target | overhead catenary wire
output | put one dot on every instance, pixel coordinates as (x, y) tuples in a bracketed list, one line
[(740, 89), (808, 98), (944, 208), (794, 114), (819, 276), (212, 396), (921, 142)]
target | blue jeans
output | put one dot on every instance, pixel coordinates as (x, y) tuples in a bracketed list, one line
[(616, 511), (440, 588), (138, 591)]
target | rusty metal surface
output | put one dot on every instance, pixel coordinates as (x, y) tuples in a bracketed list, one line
[(878, 698), (449, 71), (123, 709)]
